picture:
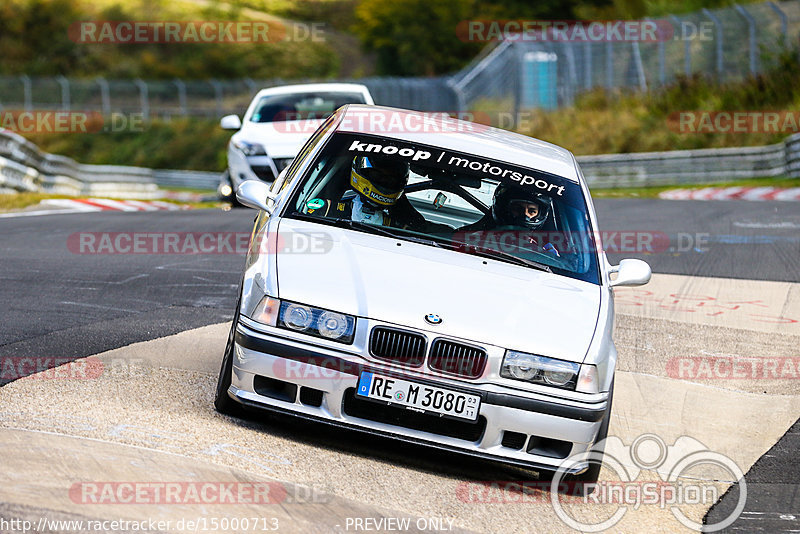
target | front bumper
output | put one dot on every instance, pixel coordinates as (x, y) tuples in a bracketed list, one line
[(553, 431), (264, 168)]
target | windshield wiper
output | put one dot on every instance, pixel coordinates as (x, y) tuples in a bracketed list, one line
[(499, 254)]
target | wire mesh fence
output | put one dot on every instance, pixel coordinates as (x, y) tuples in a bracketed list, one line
[(515, 73), (723, 44)]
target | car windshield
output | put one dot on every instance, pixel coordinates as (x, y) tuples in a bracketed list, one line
[(302, 106), (463, 202)]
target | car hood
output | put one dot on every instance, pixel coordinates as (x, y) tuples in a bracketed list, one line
[(281, 139), (492, 303)]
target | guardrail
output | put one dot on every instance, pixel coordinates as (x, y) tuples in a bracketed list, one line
[(702, 166), (23, 167)]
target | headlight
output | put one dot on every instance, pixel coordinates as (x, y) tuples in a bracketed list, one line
[(316, 322), (250, 149), (540, 370), (332, 325), (296, 316)]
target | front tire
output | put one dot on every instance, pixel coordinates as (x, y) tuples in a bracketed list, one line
[(223, 402), (584, 483)]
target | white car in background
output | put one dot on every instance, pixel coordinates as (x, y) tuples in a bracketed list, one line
[(276, 125)]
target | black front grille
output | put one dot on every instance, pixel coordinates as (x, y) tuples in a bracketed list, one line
[(513, 440), (397, 346), (457, 359), (356, 406), (263, 172), (311, 396)]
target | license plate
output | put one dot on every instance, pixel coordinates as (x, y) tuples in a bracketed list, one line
[(419, 397)]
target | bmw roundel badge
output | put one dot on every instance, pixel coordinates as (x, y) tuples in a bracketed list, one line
[(432, 318)]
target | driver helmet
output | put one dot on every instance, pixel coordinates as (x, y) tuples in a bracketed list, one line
[(515, 206), (378, 181)]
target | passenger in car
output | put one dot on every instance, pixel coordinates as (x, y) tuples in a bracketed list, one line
[(516, 209)]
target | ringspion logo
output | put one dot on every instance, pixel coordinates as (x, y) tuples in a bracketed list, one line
[(646, 473)]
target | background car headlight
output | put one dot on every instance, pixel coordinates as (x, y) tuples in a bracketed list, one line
[(316, 322), (540, 370), (250, 149)]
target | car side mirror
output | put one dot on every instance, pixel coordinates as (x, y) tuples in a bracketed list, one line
[(631, 272), (231, 122), (254, 194)]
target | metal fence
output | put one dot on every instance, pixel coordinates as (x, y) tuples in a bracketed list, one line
[(724, 44), (213, 98)]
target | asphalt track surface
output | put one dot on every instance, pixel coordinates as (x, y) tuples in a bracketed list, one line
[(60, 302)]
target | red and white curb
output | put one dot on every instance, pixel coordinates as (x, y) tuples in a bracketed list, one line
[(56, 206), (733, 193), (106, 204)]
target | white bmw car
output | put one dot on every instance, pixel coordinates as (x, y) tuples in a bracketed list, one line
[(277, 123), (436, 282)]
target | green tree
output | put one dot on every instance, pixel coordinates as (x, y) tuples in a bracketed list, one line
[(415, 37), (423, 37)]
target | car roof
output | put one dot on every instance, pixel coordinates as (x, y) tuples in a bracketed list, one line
[(313, 88), (460, 136)]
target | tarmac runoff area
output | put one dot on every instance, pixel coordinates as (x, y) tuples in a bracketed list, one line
[(148, 419)]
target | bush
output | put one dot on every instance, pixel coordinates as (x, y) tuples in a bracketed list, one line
[(602, 123), (34, 37)]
